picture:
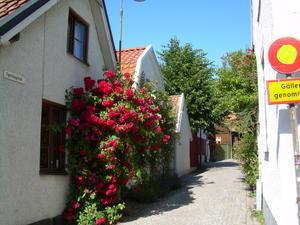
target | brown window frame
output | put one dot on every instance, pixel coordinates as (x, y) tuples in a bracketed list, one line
[(52, 161), (75, 18)]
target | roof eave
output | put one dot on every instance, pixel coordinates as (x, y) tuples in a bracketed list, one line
[(21, 18)]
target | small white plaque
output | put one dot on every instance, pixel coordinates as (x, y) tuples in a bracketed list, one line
[(14, 77)]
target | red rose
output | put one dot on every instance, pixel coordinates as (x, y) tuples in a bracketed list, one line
[(129, 93), (139, 101), (112, 114), (109, 74), (127, 76), (89, 83), (101, 156), (166, 138), (119, 90), (100, 221), (91, 109), (111, 167), (113, 143), (158, 129), (74, 204), (105, 87), (129, 125), (74, 122), (117, 83), (80, 180), (108, 103), (106, 201), (154, 147), (149, 123), (78, 91), (77, 104), (99, 187), (110, 123)]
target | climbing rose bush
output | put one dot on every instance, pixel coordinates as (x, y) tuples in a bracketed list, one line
[(116, 137)]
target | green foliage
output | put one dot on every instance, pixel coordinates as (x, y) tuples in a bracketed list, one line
[(259, 216), (247, 154), (237, 92), (236, 86), (112, 212), (90, 213), (187, 70)]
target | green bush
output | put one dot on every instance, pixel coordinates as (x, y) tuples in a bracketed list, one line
[(247, 155)]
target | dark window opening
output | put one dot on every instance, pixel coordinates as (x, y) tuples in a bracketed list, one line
[(52, 149), (77, 37)]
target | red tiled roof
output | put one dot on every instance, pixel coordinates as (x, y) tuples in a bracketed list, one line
[(175, 102), (9, 6), (129, 59)]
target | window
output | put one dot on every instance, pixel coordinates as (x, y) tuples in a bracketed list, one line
[(77, 37), (52, 154)]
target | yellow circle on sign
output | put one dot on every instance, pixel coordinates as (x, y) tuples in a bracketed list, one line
[(287, 54)]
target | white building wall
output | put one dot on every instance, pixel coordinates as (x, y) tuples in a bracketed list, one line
[(147, 64), (41, 57), (276, 19), (182, 145)]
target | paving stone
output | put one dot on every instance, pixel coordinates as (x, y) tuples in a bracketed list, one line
[(217, 196)]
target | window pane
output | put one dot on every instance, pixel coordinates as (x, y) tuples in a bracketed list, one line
[(79, 31), (52, 156), (78, 49)]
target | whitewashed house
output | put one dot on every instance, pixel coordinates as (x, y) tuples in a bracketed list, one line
[(46, 46), (276, 187), (142, 64), (181, 164)]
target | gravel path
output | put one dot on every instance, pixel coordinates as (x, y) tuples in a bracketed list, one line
[(214, 197)]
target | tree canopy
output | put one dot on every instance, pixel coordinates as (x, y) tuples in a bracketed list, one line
[(187, 70), (236, 87)]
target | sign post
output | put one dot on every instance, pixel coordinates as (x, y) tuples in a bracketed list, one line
[(284, 56)]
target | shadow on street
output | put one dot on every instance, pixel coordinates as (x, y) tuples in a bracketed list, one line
[(175, 199)]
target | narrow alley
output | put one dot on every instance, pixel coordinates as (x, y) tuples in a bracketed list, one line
[(217, 196)]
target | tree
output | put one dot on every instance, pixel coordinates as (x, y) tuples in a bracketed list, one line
[(187, 70), (237, 91), (236, 86)]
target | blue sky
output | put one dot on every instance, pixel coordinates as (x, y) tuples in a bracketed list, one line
[(216, 26)]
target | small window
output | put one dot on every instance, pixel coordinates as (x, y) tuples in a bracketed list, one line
[(77, 37), (52, 149)]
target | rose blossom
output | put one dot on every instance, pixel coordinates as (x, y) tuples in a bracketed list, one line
[(78, 91), (100, 221), (129, 93), (74, 122), (105, 87), (107, 103), (88, 83), (109, 74)]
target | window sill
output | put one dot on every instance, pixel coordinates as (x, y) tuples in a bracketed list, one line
[(52, 172), (80, 60)]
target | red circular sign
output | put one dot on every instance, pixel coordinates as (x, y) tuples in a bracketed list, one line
[(284, 55)]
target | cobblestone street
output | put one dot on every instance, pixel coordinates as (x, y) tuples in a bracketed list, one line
[(214, 197)]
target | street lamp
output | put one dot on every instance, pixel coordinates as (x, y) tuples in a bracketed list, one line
[(121, 27)]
